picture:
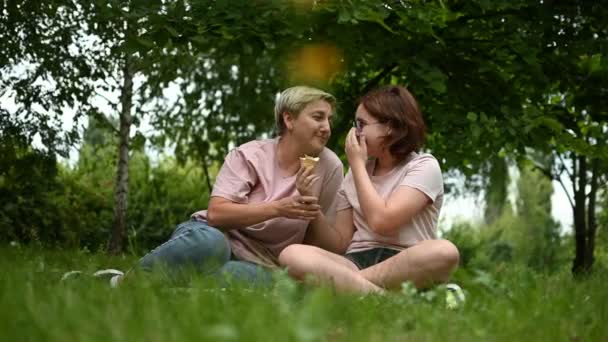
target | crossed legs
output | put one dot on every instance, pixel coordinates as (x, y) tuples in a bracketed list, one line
[(428, 262), (305, 262)]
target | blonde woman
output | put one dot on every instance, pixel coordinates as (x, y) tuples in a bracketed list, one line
[(262, 200)]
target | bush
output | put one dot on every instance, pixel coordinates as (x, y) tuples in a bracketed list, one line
[(55, 205), (28, 186)]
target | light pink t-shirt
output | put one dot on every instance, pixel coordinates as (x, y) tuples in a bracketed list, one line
[(419, 171), (251, 174)]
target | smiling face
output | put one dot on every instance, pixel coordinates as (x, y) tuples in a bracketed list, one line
[(311, 128), (375, 131), (401, 130)]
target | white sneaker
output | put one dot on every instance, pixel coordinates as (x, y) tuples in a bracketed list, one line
[(108, 272), (71, 274), (454, 296), (115, 276), (115, 280)]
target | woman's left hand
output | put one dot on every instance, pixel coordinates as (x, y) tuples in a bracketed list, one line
[(356, 150)]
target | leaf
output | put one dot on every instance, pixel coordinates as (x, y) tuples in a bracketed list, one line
[(552, 123), (172, 31), (199, 39), (344, 17), (145, 42)]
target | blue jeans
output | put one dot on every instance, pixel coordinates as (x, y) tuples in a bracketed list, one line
[(195, 245)]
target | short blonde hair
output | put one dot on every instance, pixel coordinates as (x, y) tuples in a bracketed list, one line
[(294, 99)]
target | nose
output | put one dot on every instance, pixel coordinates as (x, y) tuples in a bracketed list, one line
[(326, 126)]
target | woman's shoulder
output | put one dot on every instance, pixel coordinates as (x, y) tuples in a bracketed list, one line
[(255, 153), (256, 148), (330, 158), (256, 145), (416, 160)]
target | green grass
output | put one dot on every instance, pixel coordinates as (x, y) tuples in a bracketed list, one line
[(510, 305)]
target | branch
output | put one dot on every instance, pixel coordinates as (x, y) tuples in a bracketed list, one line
[(567, 194), (544, 171), (549, 175), (596, 178), (374, 81), (106, 122), (494, 14), (563, 167), (113, 104), (471, 40), (604, 181), (574, 172)]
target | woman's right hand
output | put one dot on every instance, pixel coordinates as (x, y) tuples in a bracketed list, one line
[(305, 180), (355, 148), (299, 207)]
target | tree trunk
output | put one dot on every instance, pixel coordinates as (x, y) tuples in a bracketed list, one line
[(591, 220), (496, 189), (580, 224), (206, 172), (121, 188)]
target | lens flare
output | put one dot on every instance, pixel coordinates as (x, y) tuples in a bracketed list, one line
[(315, 63)]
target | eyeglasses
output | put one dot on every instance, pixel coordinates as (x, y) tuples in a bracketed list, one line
[(359, 125)]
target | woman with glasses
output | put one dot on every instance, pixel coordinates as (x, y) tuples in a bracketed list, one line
[(387, 208)]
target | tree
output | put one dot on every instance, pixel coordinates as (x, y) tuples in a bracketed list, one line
[(69, 51), (568, 120), (114, 26), (229, 62), (495, 80), (477, 102), (496, 179), (46, 67), (538, 233)]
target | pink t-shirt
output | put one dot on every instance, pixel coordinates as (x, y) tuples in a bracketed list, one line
[(419, 171), (251, 174)]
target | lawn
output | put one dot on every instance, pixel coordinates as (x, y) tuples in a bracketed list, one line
[(514, 304)]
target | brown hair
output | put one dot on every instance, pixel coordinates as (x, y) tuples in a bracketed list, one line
[(398, 109)]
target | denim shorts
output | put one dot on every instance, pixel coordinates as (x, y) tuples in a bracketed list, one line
[(370, 257)]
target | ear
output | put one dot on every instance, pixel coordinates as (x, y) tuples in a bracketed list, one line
[(389, 139), (288, 120)]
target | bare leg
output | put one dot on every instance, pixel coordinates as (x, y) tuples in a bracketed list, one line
[(428, 262), (304, 260)]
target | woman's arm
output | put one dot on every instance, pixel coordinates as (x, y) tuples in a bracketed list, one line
[(334, 239), (225, 214), (229, 206), (386, 216), (331, 230), (383, 216)]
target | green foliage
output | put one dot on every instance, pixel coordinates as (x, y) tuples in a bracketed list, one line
[(47, 65), (526, 236), (27, 189), (513, 305), (162, 197), (602, 236), (496, 177), (74, 206), (483, 248), (467, 238), (494, 79), (538, 237)]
